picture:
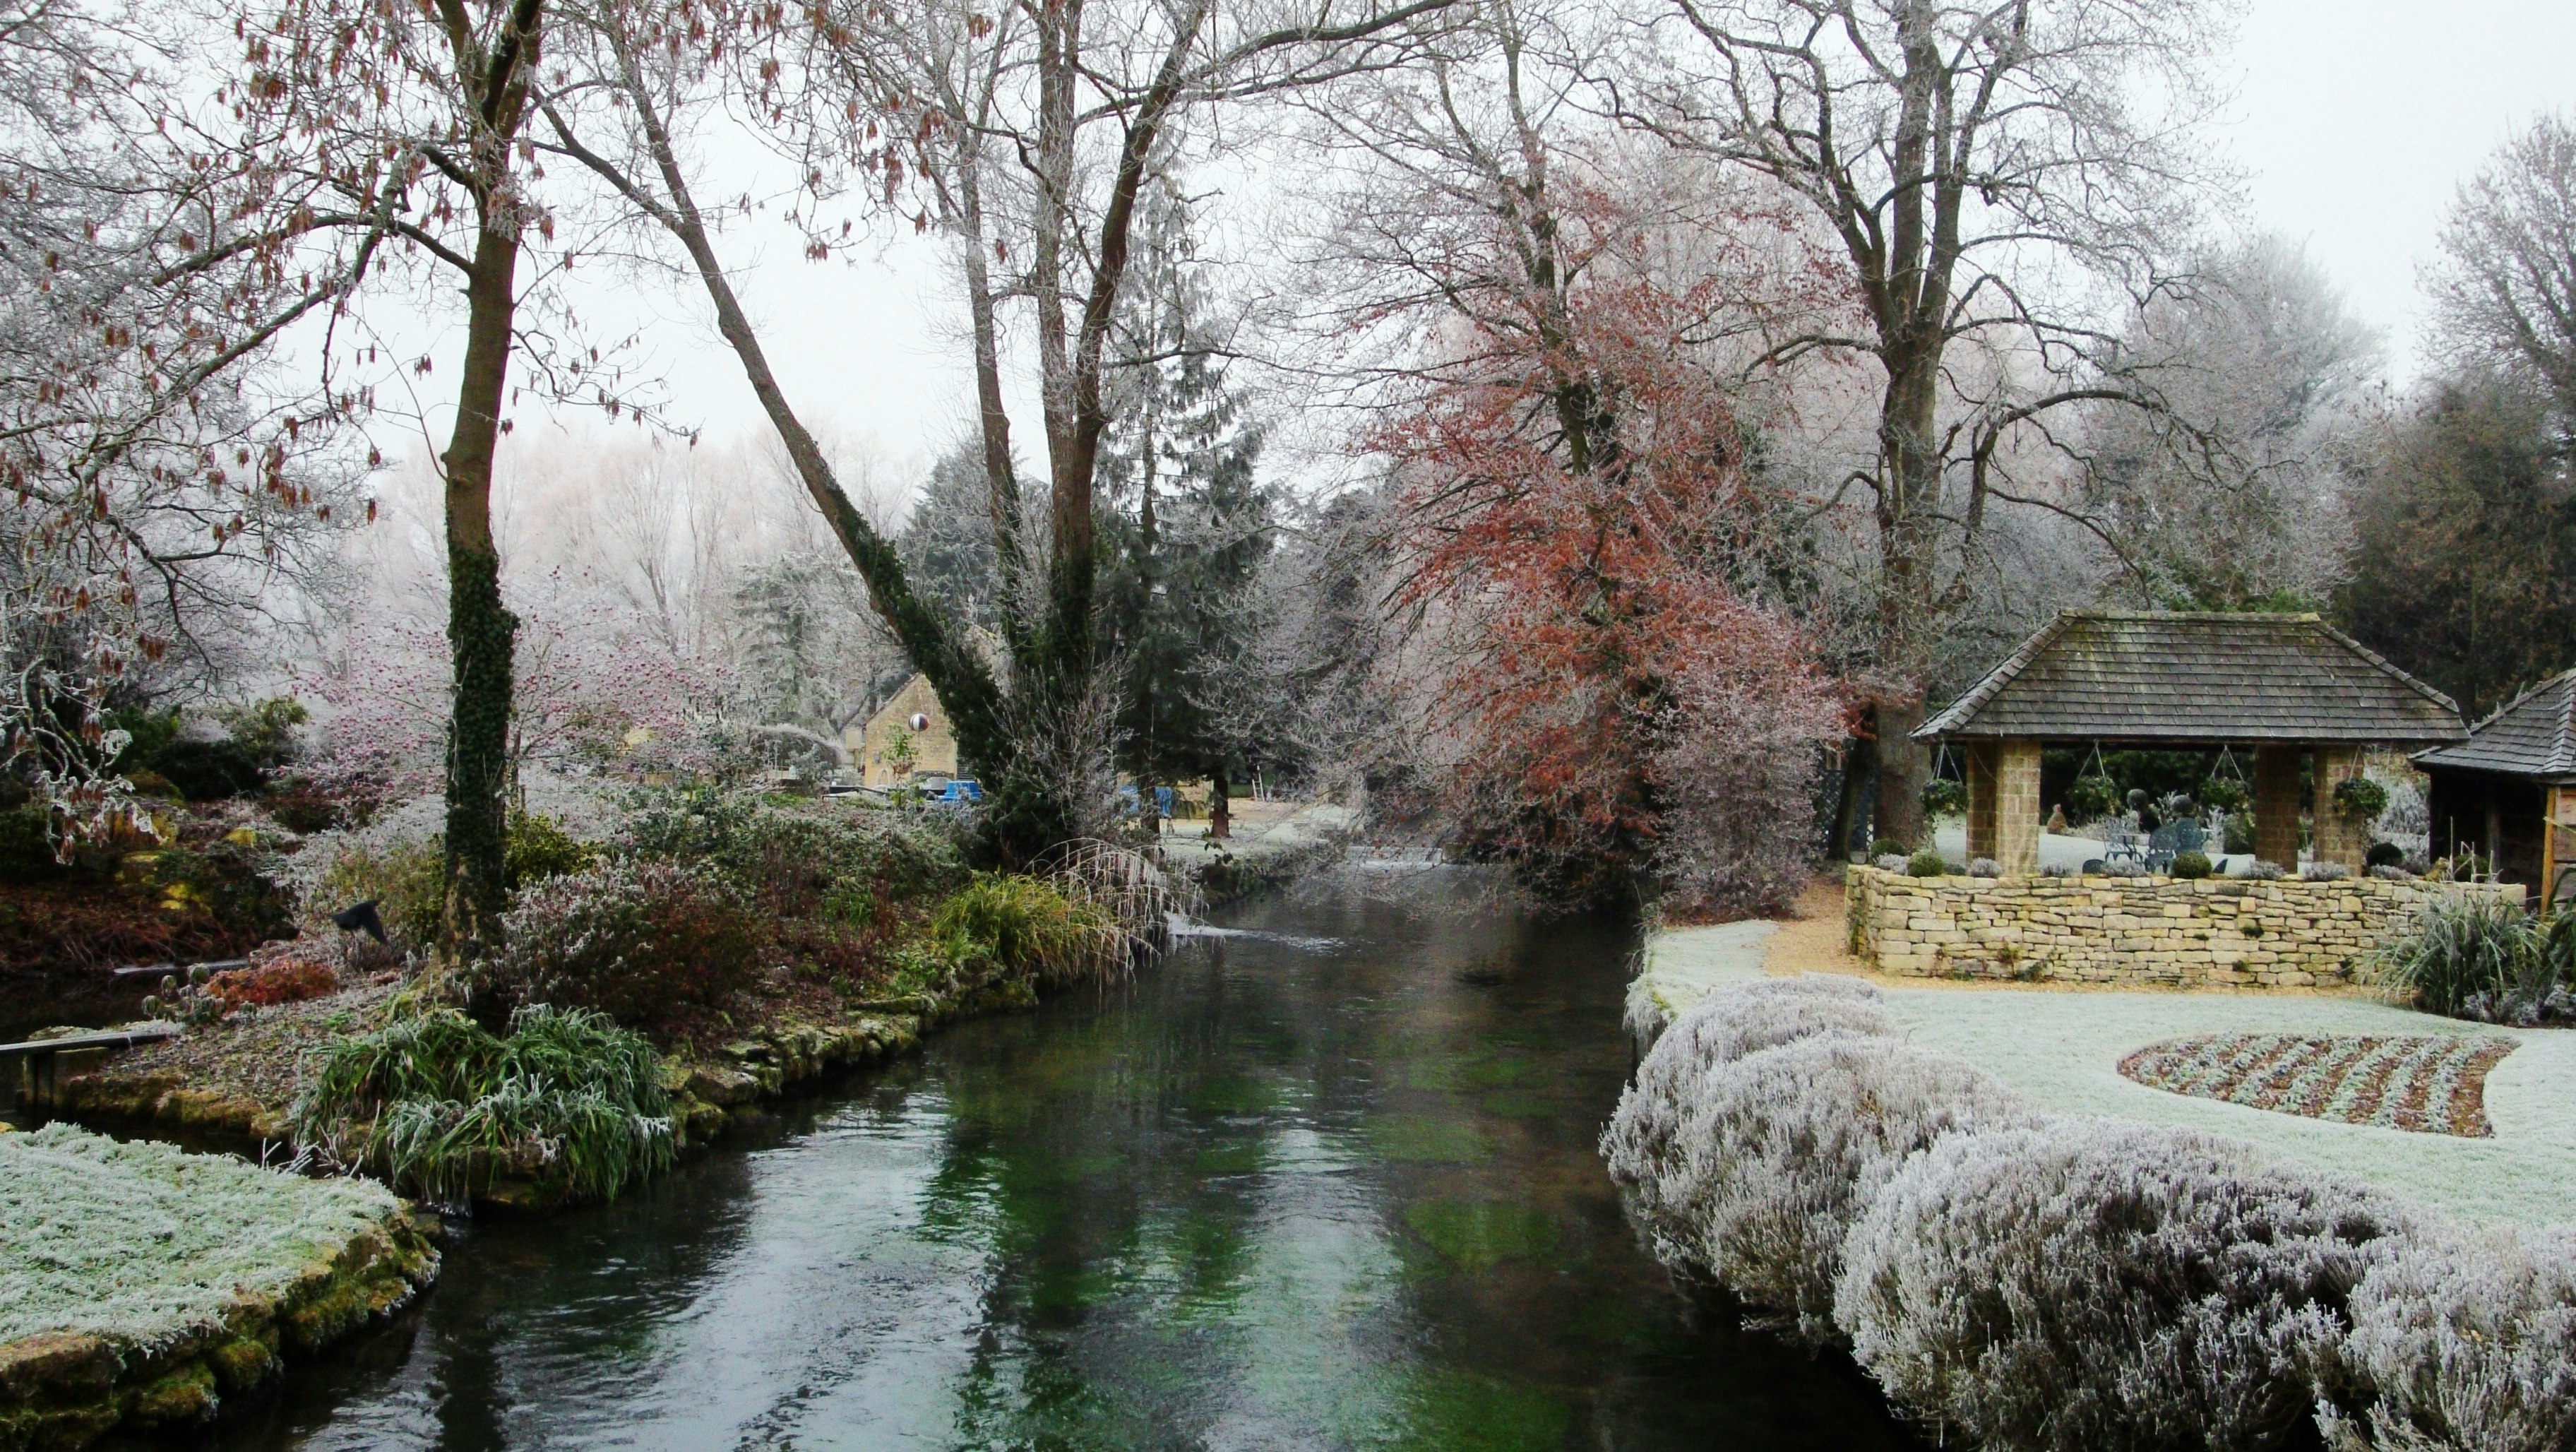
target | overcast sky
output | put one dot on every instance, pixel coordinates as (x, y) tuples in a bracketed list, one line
[(2354, 121)]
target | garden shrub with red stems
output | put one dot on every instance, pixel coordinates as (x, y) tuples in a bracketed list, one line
[(2463, 1338), (2088, 1286), (643, 942)]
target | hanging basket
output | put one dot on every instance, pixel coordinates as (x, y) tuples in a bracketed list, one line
[(1944, 795), (2094, 794), (2226, 789)]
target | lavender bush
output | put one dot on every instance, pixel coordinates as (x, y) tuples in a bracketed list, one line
[(2081, 1285), (2463, 1339), (1721, 1028), (1781, 1150)]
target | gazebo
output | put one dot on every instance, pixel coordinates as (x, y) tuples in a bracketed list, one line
[(2509, 791), (2282, 685)]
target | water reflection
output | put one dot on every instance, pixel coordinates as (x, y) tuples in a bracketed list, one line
[(1270, 1195)]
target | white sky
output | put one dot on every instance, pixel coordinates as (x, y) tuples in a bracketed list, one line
[(2353, 120), (2357, 119)]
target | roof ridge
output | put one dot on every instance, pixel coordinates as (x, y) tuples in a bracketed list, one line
[(2564, 758)]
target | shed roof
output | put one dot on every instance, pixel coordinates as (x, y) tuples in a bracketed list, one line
[(2151, 675), (2532, 735)]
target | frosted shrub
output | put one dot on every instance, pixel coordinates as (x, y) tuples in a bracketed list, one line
[(2081, 1285), (1719, 1029), (2468, 1339), (2324, 872), (1782, 1150)]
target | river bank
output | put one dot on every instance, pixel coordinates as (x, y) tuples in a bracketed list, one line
[(233, 1082)]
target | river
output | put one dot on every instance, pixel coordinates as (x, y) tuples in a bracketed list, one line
[(1324, 1178)]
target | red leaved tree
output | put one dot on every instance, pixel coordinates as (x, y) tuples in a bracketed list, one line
[(1628, 719)]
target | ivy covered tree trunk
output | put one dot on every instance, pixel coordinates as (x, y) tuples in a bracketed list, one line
[(481, 632), (1908, 510)]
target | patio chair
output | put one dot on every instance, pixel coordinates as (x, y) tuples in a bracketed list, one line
[(2172, 840)]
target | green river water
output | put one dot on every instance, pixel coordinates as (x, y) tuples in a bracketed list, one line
[(1324, 1179)]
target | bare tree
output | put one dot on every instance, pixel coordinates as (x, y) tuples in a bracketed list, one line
[(1976, 165), (2229, 494), (1070, 105), (2505, 287), (413, 116), (166, 486)]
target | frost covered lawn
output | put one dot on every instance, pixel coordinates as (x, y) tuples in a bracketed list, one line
[(142, 1242), (2063, 1049)]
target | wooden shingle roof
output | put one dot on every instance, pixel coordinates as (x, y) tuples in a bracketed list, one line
[(2533, 735), (2105, 675)]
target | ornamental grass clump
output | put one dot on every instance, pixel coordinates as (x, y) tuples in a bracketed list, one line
[(2478, 956), (1782, 1150), (444, 1108), (2463, 1339), (1642, 1142), (1003, 926), (2074, 1284)]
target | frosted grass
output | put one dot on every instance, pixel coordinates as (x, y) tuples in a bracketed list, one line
[(141, 1241)]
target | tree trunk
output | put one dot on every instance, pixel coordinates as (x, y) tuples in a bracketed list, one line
[(1907, 512), (481, 632), (1860, 764)]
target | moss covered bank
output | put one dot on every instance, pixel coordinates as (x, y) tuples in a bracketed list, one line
[(141, 1285)]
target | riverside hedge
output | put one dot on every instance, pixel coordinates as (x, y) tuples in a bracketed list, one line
[(2029, 1281), (140, 1285)]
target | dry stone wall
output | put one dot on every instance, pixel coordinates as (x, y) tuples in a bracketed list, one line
[(2203, 933)]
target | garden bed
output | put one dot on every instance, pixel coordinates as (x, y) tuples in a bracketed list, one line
[(140, 1285), (2428, 1083)]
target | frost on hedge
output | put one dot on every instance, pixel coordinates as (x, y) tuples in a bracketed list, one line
[(1723, 1027), (1783, 1149), (142, 1242), (2074, 1284), (2464, 1339)]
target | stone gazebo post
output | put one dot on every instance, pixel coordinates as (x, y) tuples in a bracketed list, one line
[(2338, 837), (2276, 805), (2003, 804)]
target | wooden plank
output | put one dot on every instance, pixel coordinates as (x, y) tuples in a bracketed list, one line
[(103, 1039)]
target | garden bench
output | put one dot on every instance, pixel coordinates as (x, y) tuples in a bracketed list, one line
[(43, 1057)]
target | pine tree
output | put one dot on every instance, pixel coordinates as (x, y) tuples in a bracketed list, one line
[(1189, 527)]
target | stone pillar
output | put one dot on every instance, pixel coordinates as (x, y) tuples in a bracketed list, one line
[(1977, 760), (2340, 838), (2276, 805), (2017, 819)]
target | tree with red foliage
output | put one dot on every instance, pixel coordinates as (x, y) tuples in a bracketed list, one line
[(1629, 719)]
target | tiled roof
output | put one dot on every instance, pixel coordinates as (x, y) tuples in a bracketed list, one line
[(2170, 676), (2534, 735)]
